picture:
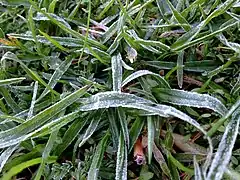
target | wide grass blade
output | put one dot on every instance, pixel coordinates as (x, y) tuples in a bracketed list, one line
[(191, 99), (20, 167), (135, 131)]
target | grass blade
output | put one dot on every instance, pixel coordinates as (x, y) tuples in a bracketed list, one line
[(121, 169), (20, 167), (5, 82), (98, 157), (46, 154), (90, 130), (5, 155), (117, 72), (151, 132), (124, 125), (180, 69), (193, 99), (224, 152), (142, 73)]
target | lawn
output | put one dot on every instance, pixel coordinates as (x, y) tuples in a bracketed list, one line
[(119, 89)]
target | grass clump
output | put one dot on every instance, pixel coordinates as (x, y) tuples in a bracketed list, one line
[(119, 89)]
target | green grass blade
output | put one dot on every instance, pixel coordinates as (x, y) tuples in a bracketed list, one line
[(5, 82), (98, 157), (60, 70), (35, 89), (70, 135), (32, 28), (63, 41), (46, 154), (10, 101), (124, 125), (224, 118), (135, 131), (17, 169), (53, 41), (180, 68), (179, 17), (150, 134), (114, 128)]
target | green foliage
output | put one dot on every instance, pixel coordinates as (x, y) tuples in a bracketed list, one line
[(82, 81)]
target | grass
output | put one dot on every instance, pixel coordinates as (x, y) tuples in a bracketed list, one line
[(119, 89)]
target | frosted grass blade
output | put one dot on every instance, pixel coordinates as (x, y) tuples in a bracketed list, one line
[(5, 82), (143, 73), (191, 99), (224, 151), (117, 72), (5, 155)]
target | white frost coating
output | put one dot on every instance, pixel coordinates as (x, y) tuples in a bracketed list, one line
[(90, 130), (30, 112), (192, 99), (64, 41), (110, 99), (117, 72), (127, 67), (224, 152), (5, 155), (60, 70), (117, 99), (42, 17), (198, 175), (232, 45), (139, 74)]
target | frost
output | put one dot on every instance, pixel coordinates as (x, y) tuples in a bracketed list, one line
[(5, 155), (191, 99), (224, 152), (41, 17), (142, 73), (117, 72)]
